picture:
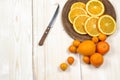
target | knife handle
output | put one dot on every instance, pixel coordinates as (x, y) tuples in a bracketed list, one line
[(44, 36)]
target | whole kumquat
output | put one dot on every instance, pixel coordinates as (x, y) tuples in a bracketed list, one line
[(95, 39), (70, 60), (102, 37), (86, 59), (76, 43), (72, 49), (63, 66)]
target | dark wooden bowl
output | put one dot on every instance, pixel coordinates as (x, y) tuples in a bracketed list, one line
[(109, 9)]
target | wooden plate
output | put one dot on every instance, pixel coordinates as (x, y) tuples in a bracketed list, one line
[(69, 27)]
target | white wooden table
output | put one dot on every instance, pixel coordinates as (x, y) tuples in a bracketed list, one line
[(22, 23)]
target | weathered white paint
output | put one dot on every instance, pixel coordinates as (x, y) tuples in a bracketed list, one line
[(22, 23)]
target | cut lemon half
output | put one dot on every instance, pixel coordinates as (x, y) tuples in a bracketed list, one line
[(78, 5), (79, 22), (91, 26), (95, 8), (74, 13), (106, 25)]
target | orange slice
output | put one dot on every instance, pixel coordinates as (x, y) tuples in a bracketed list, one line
[(79, 22), (74, 13), (91, 26), (78, 5), (106, 25), (95, 8)]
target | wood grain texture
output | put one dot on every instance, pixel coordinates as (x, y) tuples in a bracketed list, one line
[(22, 23), (16, 40), (54, 51)]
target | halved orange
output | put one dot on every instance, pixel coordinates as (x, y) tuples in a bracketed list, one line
[(78, 5), (95, 8), (91, 26), (106, 25), (79, 22), (74, 13)]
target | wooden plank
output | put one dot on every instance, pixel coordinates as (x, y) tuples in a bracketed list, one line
[(16, 40), (54, 51), (5, 47), (110, 70), (38, 28)]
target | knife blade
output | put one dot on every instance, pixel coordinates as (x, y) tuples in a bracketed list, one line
[(49, 27)]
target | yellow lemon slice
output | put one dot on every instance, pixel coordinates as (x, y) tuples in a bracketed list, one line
[(79, 22), (106, 25), (74, 13), (95, 8), (78, 5), (91, 26)]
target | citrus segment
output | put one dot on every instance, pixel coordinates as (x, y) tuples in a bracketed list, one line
[(95, 7), (74, 13), (79, 22), (91, 26), (78, 5), (106, 25)]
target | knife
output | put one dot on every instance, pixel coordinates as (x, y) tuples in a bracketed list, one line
[(49, 27)]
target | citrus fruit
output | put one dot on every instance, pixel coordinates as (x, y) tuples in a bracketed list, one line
[(63, 66), (86, 48), (76, 43), (78, 5), (102, 47), (86, 59), (96, 59), (106, 25), (72, 49), (102, 37), (79, 23), (91, 26), (74, 13), (95, 8), (70, 60), (95, 39)]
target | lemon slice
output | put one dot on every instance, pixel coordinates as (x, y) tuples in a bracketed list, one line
[(79, 22), (78, 5), (74, 13), (95, 8), (106, 25), (91, 26)]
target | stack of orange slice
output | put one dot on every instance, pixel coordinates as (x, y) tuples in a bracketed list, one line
[(89, 18)]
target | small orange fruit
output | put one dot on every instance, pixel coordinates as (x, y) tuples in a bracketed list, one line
[(70, 60), (72, 49), (95, 39), (86, 59), (103, 47), (96, 59), (87, 48), (102, 37), (63, 66), (76, 43)]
